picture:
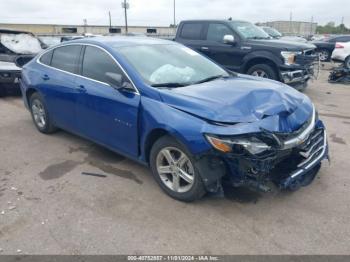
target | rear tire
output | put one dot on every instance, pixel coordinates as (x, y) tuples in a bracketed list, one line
[(2, 90), (263, 70), (40, 114), (179, 179)]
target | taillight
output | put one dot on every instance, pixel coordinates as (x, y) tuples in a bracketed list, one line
[(338, 45)]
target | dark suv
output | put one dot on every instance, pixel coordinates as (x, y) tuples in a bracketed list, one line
[(243, 47)]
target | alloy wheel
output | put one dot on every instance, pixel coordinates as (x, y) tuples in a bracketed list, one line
[(323, 55), (260, 73), (39, 113), (175, 169)]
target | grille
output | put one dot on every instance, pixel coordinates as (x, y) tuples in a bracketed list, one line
[(312, 147)]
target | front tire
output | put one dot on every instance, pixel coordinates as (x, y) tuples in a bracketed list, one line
[(173, 168), (40, 114), (263, 70), (347, 62)]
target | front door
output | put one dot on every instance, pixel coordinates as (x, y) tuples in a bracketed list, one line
[(227, 55), (105, 114)]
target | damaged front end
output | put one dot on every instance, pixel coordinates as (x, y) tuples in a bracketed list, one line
[(16, 49), (266, 160), (297, 73)]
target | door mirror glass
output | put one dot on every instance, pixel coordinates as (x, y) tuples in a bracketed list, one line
[(114, 79), (229, 39)]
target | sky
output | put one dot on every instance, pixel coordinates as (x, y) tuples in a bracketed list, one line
[(160, 12)]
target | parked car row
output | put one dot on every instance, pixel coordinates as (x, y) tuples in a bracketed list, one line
[(341, 53), (326, 47)]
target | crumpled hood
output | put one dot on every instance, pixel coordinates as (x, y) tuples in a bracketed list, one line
[(242, 99)]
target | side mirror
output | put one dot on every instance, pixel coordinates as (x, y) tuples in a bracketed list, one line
[(116, 81), (229, 39)]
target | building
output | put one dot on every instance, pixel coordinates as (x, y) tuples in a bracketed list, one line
[(293, 27), (51, 29)]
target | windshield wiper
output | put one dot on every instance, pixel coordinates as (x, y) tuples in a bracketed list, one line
[(174, 84), (208, 79), (257, 37)]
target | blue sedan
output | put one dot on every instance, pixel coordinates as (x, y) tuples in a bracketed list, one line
[(197, 125)]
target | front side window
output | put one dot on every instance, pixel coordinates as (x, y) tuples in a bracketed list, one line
[(170, 64), (97, 63), (216, 32), (66, 58)]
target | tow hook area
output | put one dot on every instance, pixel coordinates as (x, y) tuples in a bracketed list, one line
[(302, 180), (211, 169)]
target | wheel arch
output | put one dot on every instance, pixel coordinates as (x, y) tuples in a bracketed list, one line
[(29, 92), (261, 60), (151, 138)]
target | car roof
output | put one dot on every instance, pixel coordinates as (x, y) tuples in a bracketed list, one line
[(213, 20), (122, 41)]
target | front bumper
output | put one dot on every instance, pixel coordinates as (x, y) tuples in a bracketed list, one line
[(297, 75), (290, 166), (10, 76), (317, 152)]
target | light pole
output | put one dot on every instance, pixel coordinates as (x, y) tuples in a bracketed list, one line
[(125, 5), (174, 14)]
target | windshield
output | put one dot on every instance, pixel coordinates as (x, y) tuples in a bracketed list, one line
[(248, 30), (170, 65), (21, 43), (272, 32)]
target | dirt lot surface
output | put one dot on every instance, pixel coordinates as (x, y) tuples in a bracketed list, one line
[(48, 207)]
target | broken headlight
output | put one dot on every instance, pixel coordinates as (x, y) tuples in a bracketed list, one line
[(238, 145), (289, 57)]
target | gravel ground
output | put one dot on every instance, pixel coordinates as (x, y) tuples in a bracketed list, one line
[(48, 207)]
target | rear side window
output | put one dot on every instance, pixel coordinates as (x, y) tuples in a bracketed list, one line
[(46, 58), (216, 32), (97, 63), (66, 58), (343, 39), (191, 31)]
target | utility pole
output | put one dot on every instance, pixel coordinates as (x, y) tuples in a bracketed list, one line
[(125, 5), (85, 24), (174, 23), (174, 14), (311, 26), (290, 23), (110, 19)]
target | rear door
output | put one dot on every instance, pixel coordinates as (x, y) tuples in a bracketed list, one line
[(58, 84), (191, 34), (105, 114)]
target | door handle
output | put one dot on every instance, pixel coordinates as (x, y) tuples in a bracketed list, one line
[(204, 48), (45, 77), (82, 88)]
